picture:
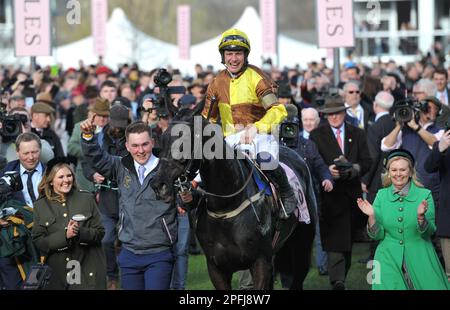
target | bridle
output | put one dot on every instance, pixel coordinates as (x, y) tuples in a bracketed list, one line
[(182, 182)]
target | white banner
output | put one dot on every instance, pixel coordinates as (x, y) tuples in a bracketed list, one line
[(335, 23), (268, 12), (99, 18), (32, 30), (184, 31)]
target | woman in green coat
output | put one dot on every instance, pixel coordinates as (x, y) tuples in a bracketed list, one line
[(67, 230), (402, 218)]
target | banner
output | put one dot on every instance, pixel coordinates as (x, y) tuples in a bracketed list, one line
[(334, 20), (268, 12), (32, 32), (99, 18), (184, 31)]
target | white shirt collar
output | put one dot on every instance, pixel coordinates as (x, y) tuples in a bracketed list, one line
[(150, 165), (38, 168), (377, 117)]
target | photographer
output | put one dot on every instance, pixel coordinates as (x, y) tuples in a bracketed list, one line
[(19, 123), (416, 131)]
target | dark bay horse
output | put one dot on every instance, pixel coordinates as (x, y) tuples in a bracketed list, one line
[(232, 237)]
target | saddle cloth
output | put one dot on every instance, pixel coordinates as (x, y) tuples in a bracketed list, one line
[(301, 212)]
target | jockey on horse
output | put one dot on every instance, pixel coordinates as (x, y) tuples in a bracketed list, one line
[(248, 110)]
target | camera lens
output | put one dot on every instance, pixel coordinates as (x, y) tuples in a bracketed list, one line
[(404, 114), (10, 127)]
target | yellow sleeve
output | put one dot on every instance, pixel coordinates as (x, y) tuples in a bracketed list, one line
[(274, 116)]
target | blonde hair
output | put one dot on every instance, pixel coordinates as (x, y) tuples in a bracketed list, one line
[(386, 180), (46, 188)]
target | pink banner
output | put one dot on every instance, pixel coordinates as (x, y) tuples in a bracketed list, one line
[(32, 28), (184, 31), (99, 18), (335, 23), (268, 12)]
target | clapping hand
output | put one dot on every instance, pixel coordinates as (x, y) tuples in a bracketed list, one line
[(422, 209), (365, 207)]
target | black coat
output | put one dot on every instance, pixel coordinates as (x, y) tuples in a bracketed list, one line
[(335, 214), (375, 133), (437, 161), (52, 138)]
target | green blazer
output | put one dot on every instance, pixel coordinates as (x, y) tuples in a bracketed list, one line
[(403, 240), (49, 235)]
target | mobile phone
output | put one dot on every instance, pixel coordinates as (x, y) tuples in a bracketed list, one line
[(29, 101)]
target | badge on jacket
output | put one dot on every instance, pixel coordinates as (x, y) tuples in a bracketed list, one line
[(127, 181)]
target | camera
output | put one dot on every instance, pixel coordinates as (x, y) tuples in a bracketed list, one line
[(409, 108), (289, 133), (163, 102), (12, 125), (10, 182)]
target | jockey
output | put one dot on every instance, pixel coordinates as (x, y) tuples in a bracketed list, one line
[(249, 110)]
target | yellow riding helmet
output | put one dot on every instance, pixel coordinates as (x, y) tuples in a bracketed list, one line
[(234, 39)]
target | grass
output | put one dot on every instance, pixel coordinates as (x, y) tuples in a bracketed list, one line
[(198, 278)]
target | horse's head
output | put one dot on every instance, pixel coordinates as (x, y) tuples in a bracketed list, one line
[(177, 163)]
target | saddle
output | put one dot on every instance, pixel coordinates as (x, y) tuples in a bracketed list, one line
[(284, 228)]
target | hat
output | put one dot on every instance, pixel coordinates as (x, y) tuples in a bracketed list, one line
[(187, 100), (119, 116), (122, 101), (40, 107), (333, 104), (17, 97), (103, 69), (284, 91), (399, 153), (434, 100), (70, 70), (100, 107), (57, 160), (45, 98)]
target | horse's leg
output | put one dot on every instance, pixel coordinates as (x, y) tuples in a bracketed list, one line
[(221, 280), (262, 273)]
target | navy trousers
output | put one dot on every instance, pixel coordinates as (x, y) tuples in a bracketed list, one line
[(145, 271)]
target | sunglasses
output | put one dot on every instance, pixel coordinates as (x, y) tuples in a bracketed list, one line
[(351, 92)]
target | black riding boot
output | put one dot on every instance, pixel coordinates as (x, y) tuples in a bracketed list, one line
[(278, 176)]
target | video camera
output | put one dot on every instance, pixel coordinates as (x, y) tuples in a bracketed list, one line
[(11, 125), (289, 133), (9, 183), (163, 102), (407, 109)]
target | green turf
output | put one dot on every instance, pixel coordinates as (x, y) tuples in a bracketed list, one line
[(198, 278)]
